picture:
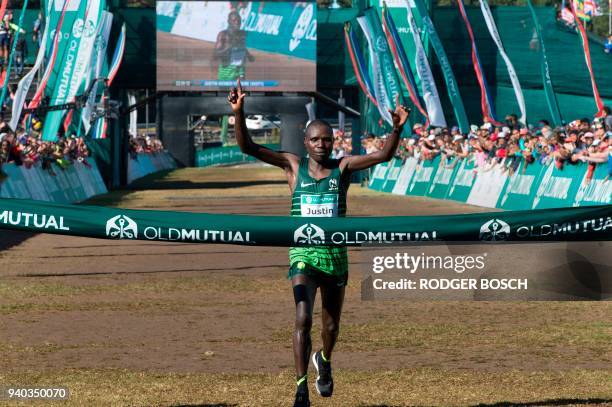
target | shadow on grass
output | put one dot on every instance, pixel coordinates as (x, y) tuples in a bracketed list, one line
[(95, 273), (552, 402), (205, 405), (161, 184), (543, 403), (10, 238)]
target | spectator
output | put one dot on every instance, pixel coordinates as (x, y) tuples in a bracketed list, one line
[(21, 53)]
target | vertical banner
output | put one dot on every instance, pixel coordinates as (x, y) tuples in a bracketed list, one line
[(452, 87), (10, 63), (486, 12), (52, 46), (549, 91), (401, 60), (359, 65), (428, 85), (587, 57), (96, 66), (486, 103), (101, 125), (24, 84), (387, 85), (74, 65)]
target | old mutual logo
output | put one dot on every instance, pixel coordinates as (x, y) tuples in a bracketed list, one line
[(301, 27), (77, 28), (121, 227), (494, 230), (309, 234)]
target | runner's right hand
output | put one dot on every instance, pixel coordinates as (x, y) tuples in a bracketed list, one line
[(236, 98)]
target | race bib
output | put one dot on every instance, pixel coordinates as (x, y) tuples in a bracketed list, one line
[(237, 56), (319, 205)]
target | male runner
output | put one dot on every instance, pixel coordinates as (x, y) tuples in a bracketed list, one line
[(231, 50), (318, 186)]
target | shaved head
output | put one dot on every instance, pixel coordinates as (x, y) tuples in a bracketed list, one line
[(318, 126)]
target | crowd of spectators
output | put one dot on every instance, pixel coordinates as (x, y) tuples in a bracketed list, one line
[(144, 144), (508, 145), (21, 148)]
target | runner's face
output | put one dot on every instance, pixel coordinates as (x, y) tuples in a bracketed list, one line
[(319, 143), (234, 21)]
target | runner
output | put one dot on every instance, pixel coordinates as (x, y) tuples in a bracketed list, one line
[(318, 185), (231, 50)]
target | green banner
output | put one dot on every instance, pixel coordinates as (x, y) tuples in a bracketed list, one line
[(423, 176), (582, 224), (441, 182), (549, 91), (225, 155), (392, 175), (75, 183), (73, 63), (378, 176), (533, 186), (521, 187)]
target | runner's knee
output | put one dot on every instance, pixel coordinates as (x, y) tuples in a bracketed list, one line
[(331, 327), (303, 318)]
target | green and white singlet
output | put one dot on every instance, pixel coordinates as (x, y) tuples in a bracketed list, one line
[(320, 198)]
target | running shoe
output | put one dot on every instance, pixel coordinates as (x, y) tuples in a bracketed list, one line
[(324, 383)]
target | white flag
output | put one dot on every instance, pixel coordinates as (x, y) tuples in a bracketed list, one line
[(428, 85), (24, 84), (486, 13)]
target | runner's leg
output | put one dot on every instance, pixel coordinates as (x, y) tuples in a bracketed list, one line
[(332, 298), (304, 293)]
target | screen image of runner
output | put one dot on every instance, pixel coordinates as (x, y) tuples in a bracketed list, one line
[(207, 45)]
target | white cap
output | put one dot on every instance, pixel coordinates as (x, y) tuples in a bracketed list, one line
[(501, 135), (411, 142), (431, 137), (474, 128), (506, 129), (458, 137), (596, 142)]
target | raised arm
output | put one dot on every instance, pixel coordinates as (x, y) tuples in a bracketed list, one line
[(361, 162), (283, 160)]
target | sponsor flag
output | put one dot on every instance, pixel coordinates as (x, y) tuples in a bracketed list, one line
[(551, 98), (452, 87), (587, 57), (101, 124), (24, 84), (75, 63), (96, 66), (518, 92), (117, 56), (358, 62), (10, 62), (387, 83), (428, 84), (55, 48), (486, 102), (401, 60)]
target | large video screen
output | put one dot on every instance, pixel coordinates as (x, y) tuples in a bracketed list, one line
[(207, 45)]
